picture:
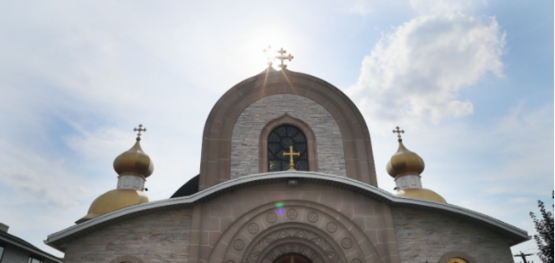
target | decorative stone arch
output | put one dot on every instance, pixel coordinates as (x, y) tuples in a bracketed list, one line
[(216, 145), (238, 241), (263, 248), (286, 246), (127, 258), (287, 119), (456, 254)]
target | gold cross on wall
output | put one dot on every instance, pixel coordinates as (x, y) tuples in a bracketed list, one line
[(398, 133), (140, 129), (291, 153)]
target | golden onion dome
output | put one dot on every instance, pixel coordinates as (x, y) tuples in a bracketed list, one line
[(421, 193), (114, 200), (404, 162), (134, 161)]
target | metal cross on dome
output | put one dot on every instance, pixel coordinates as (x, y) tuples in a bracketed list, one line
[(140, 129), (398, 133), (281, 56)]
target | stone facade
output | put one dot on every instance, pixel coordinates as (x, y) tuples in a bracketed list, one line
[(160, 237), (247, 129), (324, 223), (423, 236)]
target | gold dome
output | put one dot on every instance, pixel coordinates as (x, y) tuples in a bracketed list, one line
[(421, 193), (134, 161), (114, 200), (404, 162)]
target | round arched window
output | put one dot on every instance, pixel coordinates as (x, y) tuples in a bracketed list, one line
[(279, 142)]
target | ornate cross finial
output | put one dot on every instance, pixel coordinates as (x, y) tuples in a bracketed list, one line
[(291, 153), (140, 129), (399, 133), (282, 57), (270, 57), (269, 50)]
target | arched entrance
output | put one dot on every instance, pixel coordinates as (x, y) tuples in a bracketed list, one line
[(292, 258)]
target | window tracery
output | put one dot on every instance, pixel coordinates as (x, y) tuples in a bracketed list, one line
[(279, 141)]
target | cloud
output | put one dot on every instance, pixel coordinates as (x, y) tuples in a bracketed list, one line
[(413, 75), (105, 143), (35, 178), (442, 7), (522, 142)]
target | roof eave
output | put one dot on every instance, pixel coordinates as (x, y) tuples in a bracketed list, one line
[(58, 239)]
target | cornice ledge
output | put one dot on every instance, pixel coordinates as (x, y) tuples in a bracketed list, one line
[(56, 240)]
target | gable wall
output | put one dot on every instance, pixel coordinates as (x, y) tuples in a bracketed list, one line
[(247, 129), (161, 237), (215, 165), (423, 236)]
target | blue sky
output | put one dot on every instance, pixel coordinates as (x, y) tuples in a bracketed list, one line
[(471, 83)]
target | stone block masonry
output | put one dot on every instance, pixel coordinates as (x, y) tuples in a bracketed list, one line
[(247, 129), (160, 237), (424, 236)]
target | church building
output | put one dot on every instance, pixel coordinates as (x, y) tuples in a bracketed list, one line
[(287, 175)]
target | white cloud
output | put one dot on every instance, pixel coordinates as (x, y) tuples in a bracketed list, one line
[(442, 7), (523, 144), (35, 178), (413, 75), (102, 144)]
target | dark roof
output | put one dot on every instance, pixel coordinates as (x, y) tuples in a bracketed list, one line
[(189, 188), (16, 241)]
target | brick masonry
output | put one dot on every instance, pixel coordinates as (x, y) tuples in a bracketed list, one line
[(423, 236), (246, 133), (160, 237)]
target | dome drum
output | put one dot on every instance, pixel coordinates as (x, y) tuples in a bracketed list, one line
[(128, 181)]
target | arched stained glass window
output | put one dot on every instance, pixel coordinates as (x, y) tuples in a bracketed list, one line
[(279, 141)]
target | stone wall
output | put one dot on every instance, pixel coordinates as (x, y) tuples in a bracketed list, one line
[(161, 237), (246, 133), (323, 223), (423, 236)]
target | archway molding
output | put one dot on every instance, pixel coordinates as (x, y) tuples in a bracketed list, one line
[(216, 146), (292, 245), (264, 245), (359, 247), (456, 254), (287, 119)]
